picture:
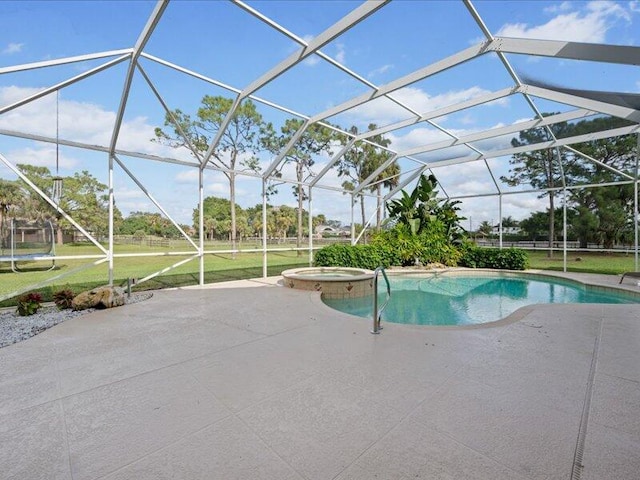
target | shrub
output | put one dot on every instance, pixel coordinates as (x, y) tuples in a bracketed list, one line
[(355, 256), (507, 259), (398, 246), (29, 303), (63, 298), (431, 245)]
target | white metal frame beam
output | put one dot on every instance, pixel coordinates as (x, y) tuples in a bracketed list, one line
[(566, 98), (497, 132), (620, 54), (64, 61), (337, 29), (479, 100), (144, 37), (63, 84), (437, 67), (616, 132)]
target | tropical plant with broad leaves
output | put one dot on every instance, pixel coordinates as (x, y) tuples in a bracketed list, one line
[(421, 207)]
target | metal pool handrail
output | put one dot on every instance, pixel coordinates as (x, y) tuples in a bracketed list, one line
[(377, 314)]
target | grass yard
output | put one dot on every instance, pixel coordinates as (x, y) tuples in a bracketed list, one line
[(218, 268), (586, 262), (223, 267)]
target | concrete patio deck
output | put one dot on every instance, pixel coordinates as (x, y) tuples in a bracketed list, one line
[(249, 380)]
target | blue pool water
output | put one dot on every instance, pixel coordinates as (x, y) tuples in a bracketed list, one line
[(460, 300)]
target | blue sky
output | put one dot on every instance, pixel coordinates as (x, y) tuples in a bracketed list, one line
[(225, 43)]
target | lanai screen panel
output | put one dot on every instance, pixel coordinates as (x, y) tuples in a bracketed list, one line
[(449, 84)]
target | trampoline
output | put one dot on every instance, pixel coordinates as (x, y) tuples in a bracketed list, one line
[(27, 241)]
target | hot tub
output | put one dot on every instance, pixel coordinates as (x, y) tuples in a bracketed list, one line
[(333, 282)]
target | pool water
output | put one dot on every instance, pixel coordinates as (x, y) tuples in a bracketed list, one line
[(460, 300)]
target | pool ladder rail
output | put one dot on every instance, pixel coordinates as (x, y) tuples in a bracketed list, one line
[(377, 312)]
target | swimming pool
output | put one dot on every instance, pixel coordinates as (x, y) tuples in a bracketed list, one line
[(472, 299)]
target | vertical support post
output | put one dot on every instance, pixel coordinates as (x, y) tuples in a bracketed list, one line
[(310, 228), (564, 210), (635, 204), (500, 224), (353, 225), (201, 225), (564, 229), (13, 244), (110, 184), (264, 228)]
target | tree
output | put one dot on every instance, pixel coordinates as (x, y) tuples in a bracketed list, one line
[(11, 197), (485, 228), (388, 178), (284, 218), (238, 145), (217, 217), (315, 140), (84, 198), (361, 161), (585, 225), (149, 223), (609, 207), (535, 225), (540, 169), (509, 222)]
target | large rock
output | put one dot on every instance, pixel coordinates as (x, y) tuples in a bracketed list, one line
[(101, 297)]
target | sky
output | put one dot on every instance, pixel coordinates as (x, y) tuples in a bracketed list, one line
[(225, 43)]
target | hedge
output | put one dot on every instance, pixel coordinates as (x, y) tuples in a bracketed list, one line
[(385, 255), (355, 256), (506, 259)]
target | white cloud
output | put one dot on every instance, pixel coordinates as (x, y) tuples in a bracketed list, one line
[(589, 24), (129, 193), (187, 176), (78, 121), (12, 48), (563, 7), (341, 54), (132, 200), (468, 119), (43, 156), (634, 6), (218, 189), (311, 60), (383, 111), (380, 70)]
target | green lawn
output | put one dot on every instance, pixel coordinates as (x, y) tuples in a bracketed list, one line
[(223, 267), (218, 268), (586, 262)]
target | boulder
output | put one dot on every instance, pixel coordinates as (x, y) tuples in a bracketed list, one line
[(101, 297)]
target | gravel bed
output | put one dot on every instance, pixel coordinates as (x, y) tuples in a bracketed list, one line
[(14, 328)]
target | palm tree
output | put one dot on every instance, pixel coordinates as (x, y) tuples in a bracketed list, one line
[(509, 222), (361, 161), (388, 178), (485, 228)]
